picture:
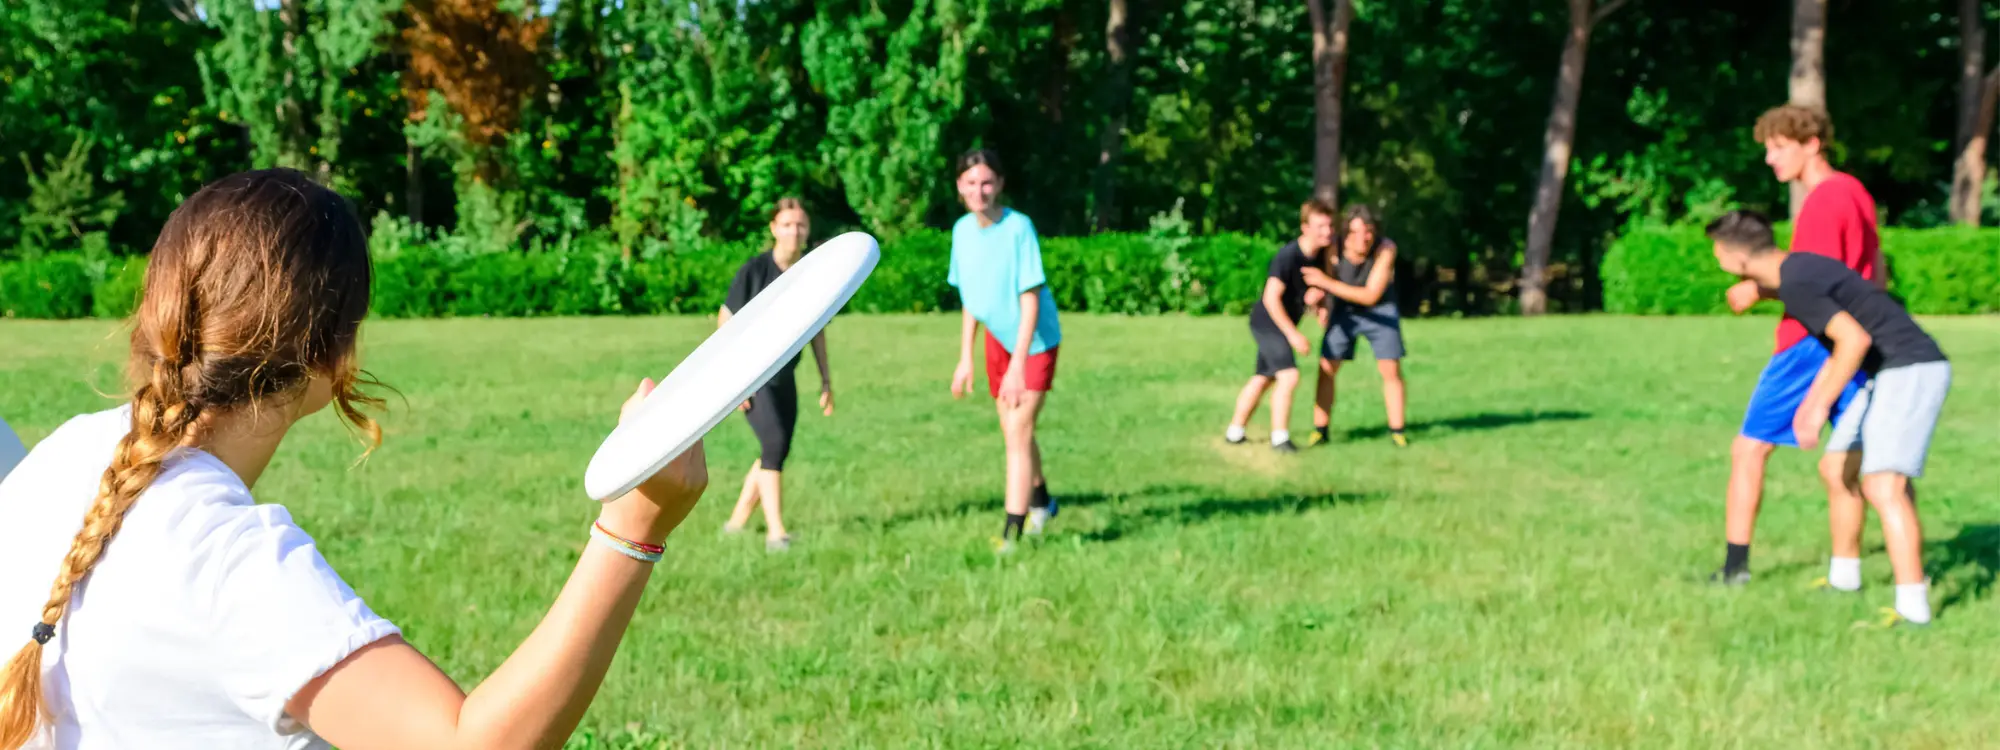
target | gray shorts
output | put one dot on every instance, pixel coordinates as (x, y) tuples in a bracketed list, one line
[(1891, 419), (1383, 331)]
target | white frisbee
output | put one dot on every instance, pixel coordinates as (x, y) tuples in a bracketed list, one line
[(735, 361), (11, 449)]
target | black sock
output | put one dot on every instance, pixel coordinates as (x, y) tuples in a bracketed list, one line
[(1013, 528), (1040, 498), (1323, 430), (1395, 430), (1738, 558)]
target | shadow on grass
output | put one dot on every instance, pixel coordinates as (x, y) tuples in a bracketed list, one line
[(1962, 568), (1209, 509), (995, 503), (1965, 564), (1472, 422)]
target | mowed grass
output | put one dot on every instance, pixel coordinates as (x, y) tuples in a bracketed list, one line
[(1524, 575)]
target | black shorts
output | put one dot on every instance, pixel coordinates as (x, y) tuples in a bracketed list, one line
[(1274, 353), (774, 413)]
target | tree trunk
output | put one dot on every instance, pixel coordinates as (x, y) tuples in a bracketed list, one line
[(1329, 76), (1808, 80), (413, 180), (291, 112), (1064, 43), (622, 212), (1556, 144), (1967, 173), (1969, 182), (1117, 96)]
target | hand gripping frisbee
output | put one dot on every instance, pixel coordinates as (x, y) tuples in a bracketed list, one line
[(11, 449), (735, 361)]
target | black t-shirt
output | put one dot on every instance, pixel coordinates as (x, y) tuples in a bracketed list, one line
[(1814, 288), (751, 279), (1287, 266)]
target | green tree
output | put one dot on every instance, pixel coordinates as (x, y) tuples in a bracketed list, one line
[(66, 210), (715, 122), (284, 70), (120, 77), (894, 77)]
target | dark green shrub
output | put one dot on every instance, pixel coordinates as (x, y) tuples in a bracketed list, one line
[(117, 294), (53, 286)]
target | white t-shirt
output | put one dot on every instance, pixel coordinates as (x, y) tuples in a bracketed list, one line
[(205, 615)]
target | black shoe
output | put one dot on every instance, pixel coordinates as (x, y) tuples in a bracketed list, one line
[(1285, 447), (1727, 577)]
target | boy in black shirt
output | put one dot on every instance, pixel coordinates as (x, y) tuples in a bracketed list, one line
[(1889, 422), (1274, 325)]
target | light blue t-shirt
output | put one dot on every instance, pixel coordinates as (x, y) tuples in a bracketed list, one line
[(992, 266)]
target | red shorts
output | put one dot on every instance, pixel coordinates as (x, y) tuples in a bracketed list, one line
[(1039, 370)]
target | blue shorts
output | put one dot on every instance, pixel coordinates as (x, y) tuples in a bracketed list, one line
[(1782, 388)]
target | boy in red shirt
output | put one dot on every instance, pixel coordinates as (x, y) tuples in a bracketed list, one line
[(1837, 221)]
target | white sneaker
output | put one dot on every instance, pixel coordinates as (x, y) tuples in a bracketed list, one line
[(1037, 518)]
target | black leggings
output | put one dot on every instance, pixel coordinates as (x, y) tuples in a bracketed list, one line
[(774, 412)]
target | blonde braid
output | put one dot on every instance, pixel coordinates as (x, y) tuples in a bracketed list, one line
[(257, 283), (159, 425)]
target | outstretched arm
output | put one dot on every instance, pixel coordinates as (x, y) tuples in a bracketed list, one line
[(387, 696)]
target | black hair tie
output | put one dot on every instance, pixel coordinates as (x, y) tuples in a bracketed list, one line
[(43, 632)]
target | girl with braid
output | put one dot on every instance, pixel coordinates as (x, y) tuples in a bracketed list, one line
[(170, 610)]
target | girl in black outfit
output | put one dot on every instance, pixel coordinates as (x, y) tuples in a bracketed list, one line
[(773, 410)]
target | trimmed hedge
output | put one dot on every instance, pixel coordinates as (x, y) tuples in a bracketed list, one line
[(1672, 271), (1658, 271), (1115, 273)]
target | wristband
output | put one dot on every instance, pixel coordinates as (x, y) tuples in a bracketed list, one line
[(647, 553)]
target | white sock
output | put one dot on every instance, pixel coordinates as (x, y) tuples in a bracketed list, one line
[(1234, 433), (1844, 573), (1913, 601), (1280, 437)]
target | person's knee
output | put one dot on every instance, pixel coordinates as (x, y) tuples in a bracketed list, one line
[(1021, 440), (1882, 491), (1329, 367), (1833, 471), (1747, 450), (1392, 371), (1018, 424), (1288, 379)]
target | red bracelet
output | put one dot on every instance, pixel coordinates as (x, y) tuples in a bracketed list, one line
[(652, 549)]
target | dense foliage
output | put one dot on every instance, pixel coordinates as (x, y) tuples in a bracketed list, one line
[(653, 130)]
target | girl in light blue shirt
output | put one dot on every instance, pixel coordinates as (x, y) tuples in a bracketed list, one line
[(996, 265)]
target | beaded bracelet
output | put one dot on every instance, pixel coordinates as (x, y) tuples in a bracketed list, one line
[(641, 551)]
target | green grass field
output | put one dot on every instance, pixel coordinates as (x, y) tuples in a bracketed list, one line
[(1524, 575)]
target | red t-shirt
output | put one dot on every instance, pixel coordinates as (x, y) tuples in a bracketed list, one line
[(1838, 221)]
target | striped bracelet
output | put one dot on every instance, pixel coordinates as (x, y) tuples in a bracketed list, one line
[(648, 553)]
